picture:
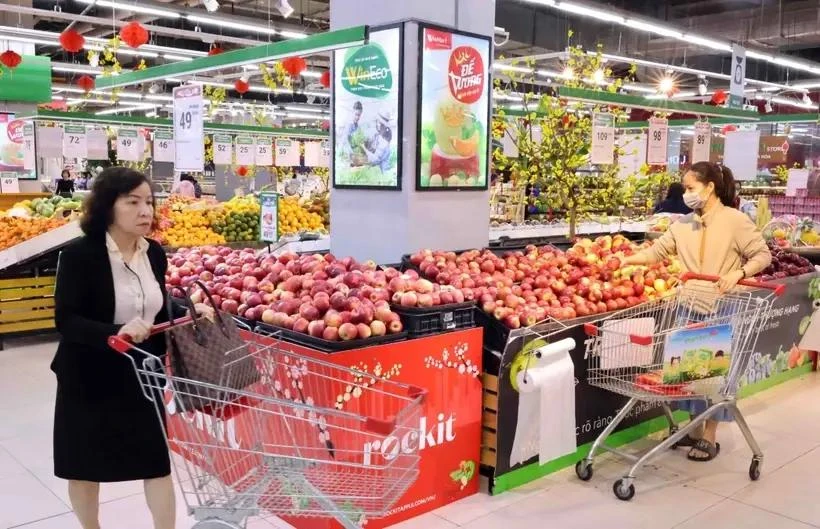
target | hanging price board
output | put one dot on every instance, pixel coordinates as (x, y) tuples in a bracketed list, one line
[(313, 154), (269, 217), (324, 161), (245, 150), (9, 183), (603, 139), (29, 157), (164, 146), (287, 153), (49, 142), (189, 132), (129, 146), (97, 143), (223, 149), (264, 152), (656, 149), (75, 142), (701, 142)]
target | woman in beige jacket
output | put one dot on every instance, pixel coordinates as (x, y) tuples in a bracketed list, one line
[(718, 240)]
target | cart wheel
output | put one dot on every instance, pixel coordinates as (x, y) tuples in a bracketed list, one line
[(622, 492), (584, 470), (754, 470), (215, 524)]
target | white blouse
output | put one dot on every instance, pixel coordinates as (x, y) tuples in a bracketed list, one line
[(136, 291)]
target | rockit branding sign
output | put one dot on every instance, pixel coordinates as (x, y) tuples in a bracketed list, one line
[(426, 436)]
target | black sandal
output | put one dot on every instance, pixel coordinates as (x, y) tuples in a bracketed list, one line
[(686, 442), (706, 447)]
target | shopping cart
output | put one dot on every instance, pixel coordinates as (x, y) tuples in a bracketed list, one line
[(307, 439), (627, 357)]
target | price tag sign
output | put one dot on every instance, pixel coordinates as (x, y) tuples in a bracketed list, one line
[(9, 183), (49, 142), (313, 154), (264, 152), (269, 217), (29, 156), (223, 149), (603, 139), (287, 153), (656, 149), (701, 142), (75, 142), (325, 154), (245, 150), (97, 141), (164, 146), (189, 134), (129, 146)]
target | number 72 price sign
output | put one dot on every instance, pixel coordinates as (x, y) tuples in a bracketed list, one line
[(189, 131)]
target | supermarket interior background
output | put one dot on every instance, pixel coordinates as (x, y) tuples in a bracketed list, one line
[(428, 220)]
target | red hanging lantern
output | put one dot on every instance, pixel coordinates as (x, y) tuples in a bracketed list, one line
[(242, 171), (215, 50), (719, 97), (241, 86), (72, 41), (86, 83), (727, 129), (134, 34), (325, 125), (10, 59), (294, 66), (325, 79)]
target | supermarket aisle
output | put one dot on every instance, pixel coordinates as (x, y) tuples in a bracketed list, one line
[(678, 494)]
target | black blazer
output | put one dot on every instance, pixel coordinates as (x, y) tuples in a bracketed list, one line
[(84, 314)]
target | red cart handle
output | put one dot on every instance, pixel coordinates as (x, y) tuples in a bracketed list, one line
[(776, 288), (122, 343)]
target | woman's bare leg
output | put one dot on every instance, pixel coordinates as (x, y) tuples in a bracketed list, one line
[(709, 434), (159, 493), (85, 500)]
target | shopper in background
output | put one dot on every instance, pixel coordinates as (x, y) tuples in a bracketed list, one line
[(715, 239), (187, 177), (65, 184), (111, 282), (746, 206), (673, 203)]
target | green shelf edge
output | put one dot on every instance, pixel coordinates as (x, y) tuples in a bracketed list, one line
[(315, 43)]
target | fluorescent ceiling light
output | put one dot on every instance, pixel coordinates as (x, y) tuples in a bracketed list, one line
[(707, 43), (232, 25), (125, 109), (127, 51), (292, 34), (132, 8), (311, 74), (172, 57), (590, 12), (29, 40), (511, 68), (752, 54), (640, 88), (75, 69), (296, 115), (653, 28), (304, 109)]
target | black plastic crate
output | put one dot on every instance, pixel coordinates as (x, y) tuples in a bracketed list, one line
[(422, 321), (326, 346)]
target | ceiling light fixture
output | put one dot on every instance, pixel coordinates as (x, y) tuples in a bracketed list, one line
[(132, 8), (666, 85), (568, 73), (504, 67), (598, 76), (284, 8), (707, 43), (590, 12), (210, 5), (231, 25), (117, 110), (702, 85), (653, 28)]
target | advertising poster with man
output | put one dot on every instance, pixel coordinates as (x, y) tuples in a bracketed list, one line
[(366, 113)]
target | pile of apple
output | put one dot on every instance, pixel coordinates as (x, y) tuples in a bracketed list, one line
[(523, 288), (311, 294)]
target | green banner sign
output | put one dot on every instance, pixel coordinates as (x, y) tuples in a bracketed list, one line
[(30, 82)]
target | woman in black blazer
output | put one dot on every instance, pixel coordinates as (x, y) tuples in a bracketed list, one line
[(111, 281)]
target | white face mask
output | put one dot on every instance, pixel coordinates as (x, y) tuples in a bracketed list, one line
[(693, 200)]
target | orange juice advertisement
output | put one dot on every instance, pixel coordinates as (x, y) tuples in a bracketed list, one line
[(405, 460), (12, 154)]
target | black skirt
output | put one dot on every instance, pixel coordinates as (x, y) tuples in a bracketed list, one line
[(108, 438)]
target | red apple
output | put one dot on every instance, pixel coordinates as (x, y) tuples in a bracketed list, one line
[(348, 331)]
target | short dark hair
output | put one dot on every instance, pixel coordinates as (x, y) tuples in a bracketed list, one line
[(108, 186), (721, 176), (358, 106), (675, 191)]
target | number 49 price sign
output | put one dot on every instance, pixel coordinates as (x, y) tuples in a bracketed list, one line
[(189, 128), (269, 217)]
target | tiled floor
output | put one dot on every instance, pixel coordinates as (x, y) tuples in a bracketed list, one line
[(672, 494)]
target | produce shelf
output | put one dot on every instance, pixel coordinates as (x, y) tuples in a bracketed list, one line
[(40, 245)]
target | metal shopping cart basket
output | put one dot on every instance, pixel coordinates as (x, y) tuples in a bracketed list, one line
[(655, 352), (307, 439)]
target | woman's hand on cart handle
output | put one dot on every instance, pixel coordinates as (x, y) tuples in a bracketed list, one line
[(729, 281), (776, 288), (123, 341), (137, 330)]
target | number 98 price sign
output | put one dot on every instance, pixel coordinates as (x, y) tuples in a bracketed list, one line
[(189, 128), (658, 134)]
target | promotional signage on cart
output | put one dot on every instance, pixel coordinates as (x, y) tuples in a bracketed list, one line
[(269, 217), (75, 142), (189, 128), (445, 436), (164, 146), (454, 110), (223, 149), (367, 112)]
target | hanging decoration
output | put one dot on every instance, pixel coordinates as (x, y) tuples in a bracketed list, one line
[(86, 82), (277, 78), (294, 66), (215, 49), (10, 59), (325, 79), (241, 85), (728, 128), (242, 171), (215, 96), (72, 41), (719, 97), (134, 34), (107, 60)]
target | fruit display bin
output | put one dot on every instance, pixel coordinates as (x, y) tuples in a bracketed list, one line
[(423, 321), (326, 346)]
